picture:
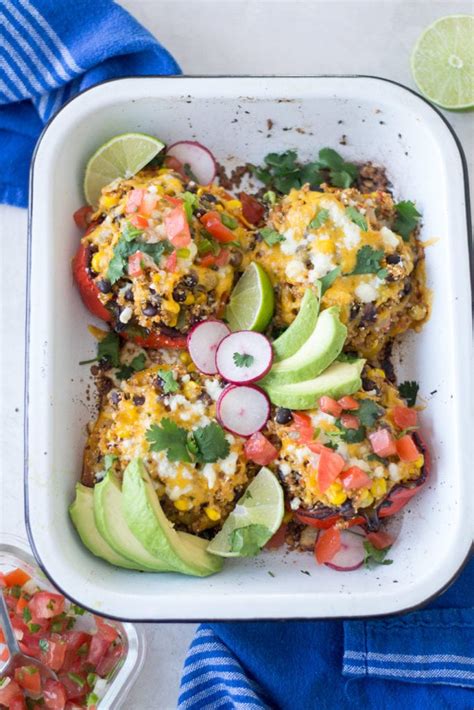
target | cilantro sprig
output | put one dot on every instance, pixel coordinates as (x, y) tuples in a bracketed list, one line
[(167, 377), (271, 236), (108, 350), (341, 174), (203, 445), (243, 359), (319, 219), (409, 391), (374, 556), (136, 365), (328, 280), (407, 219), (368, 261), (356, 217), (127, 247)]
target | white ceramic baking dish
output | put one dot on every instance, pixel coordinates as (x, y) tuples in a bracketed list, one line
[(381, 121)]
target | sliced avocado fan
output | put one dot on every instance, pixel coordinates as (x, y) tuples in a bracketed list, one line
[(300, 330)]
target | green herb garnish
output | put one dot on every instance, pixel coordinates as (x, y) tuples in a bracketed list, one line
[(368, 261), (136, 365), (243, 359), (319, 219), (407, 219), (229, 221), (44, 645), (350, 436), (124, 249), (374, 557), (368, 412), (328, 280), (409, 391), (26, 614), (77, 679), (34, 628), (341, 174), (190, 204), (356, 217), (204, 444), (129, 232), (78, 610), (271, 236), (170, 385)]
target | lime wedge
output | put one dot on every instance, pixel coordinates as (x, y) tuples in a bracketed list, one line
[(256, 517), (442, 62), (121, 157), (252, 301)]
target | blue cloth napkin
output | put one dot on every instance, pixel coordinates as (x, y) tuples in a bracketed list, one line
[(420, 660), (51, 50)]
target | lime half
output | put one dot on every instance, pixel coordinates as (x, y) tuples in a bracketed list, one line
[(121, 157), (256, 517), (252, 301), (442, 62)]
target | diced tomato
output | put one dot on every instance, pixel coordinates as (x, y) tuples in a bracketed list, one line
[(350, 421), (259, 450), (75, 687), (383, 443), (328, 405), (148, 204), (407, 449), (54, 694), (9, 691), (98, 648), (171, 261), (380, 539), (355, 477), (278, 539), (158, 340), (4, 654), (17, 703), (138, 221), (174, 164), (135, 264), (212, 222), (16, 578), (3, 584), (110, 660), (82, 216), (134, 200), (327, 544), (177, 227), (29, 678), (45, 605), (2, 636), (173, 200), (405, 417), (87, 287), (56, 653), (222, 258), (106, 630), (252, 210), (348, 403), (329, 468), (74, 641), (207, 261), (303, 425), (20, 605)]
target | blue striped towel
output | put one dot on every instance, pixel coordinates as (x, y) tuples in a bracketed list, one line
[(51, 50), (422, 660)]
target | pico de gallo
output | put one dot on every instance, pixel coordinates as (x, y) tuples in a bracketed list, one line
[(52, 630)]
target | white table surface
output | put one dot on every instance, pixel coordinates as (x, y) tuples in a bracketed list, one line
[(216, 37)]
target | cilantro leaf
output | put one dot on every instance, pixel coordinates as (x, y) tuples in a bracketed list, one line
[(319, 219), (407, 219), (328, 280), (374, 557), (368, 260), (129, 232), (211, 443), (341, 174), (229, 221), (109, 349), (249, 541), (356, 217), (169, 437), (26, 614), (124, 249), (376, 457), (368, 412), (170, 385), (138, 363), (243, 359), (350, 436), (190, 204), (271, 236), (206, 245), (409, 391), (282, 172)]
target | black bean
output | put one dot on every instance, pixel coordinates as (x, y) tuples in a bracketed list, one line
[(283, 416), (115, 397), (407, 287), (369, 313), (120, 327), (179, 294), (210, 198), (354, 312), (138, 400), (104, 285), (368, 385), (128, 295), (150, 310), (191, 186), (199, 213), (392, 258), (190, 280), (235, 258)]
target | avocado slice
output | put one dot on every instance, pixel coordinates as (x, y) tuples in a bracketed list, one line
[(82, 515), (315, 355), (299, 331), (112, 525), (145, 517), (339, 379)]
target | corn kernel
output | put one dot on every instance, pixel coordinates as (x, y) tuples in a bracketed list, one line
[(212, 513), (378, 487), (233, 205), (95, 262), (108, 201), (335, 494), (185, 358), (171, 306), (326, 246), (191, 367), (182, 504), (191, 390), (365, 499), (189, 299), (420, 461)]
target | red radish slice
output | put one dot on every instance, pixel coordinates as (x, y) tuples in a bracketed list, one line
[(351, 555), (203, 341), (243, 410), (244, 357), (200, 160)]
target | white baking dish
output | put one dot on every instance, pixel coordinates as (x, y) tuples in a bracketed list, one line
[(382, 121)]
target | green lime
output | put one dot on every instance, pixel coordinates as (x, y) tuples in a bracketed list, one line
[(121, 157), (256, 517), (252, 301), (442, 62)]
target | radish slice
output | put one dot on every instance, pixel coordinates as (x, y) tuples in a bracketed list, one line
[(203, 341), (244, 357), (200, 160), (243, 410), (351, 555)]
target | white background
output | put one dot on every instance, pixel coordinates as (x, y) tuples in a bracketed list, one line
[(216, 37)]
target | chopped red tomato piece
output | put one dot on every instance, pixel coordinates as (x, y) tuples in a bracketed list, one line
[(303, 425), (75, 685), (138, 221), (8, 691), (405, 417), (174, 164), (380, 539), (207, 261), (278, 539), (327, 544), (350, 421), (252, 210), (135, 264), (222, 258), (383, 443), (177, 227), (55, 654), (348, 403), (87, 287), (45, 605), (20, 605), (407, 449), (16, 578), (171, 261), (54, 694), (106, 630), (134, 200), (2, 580), (212, 222), (97, 649), (329, 468), (19, 703), (355, 477), (108, 662), (328, 405), (29, 678), (259, 450), (82, 216), (148, 204)]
